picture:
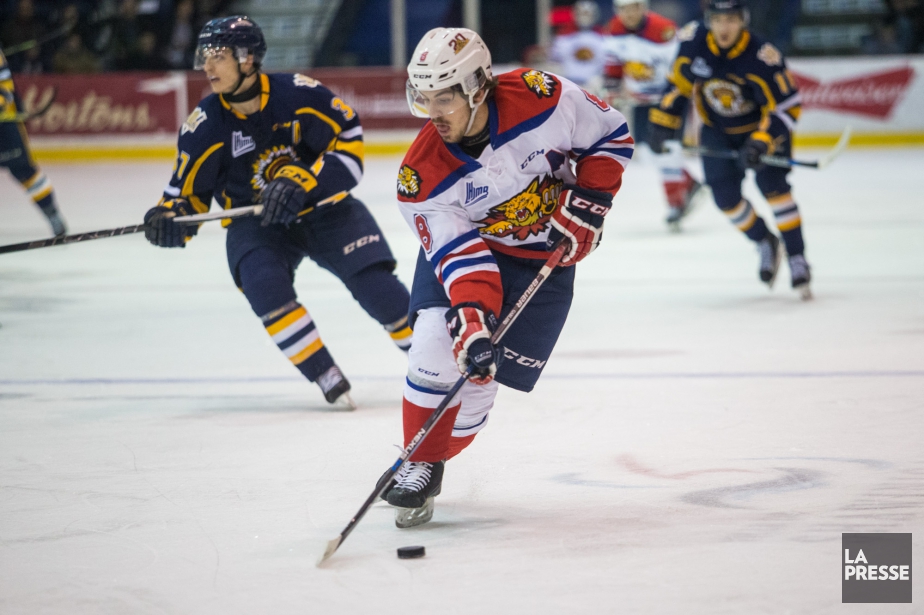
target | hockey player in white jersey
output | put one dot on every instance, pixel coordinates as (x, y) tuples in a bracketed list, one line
[(581, 55), (641, 48), (507, 167)]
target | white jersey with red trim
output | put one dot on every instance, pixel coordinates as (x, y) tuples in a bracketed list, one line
[(581, 55), (544, 132), (642, 58)]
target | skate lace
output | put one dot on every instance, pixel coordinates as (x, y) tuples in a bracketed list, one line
[(330, 378), (414, 475)]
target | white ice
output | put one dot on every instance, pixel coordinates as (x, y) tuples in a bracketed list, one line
[(697, 443)]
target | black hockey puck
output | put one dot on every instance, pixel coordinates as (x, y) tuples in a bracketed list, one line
[(411, 552)]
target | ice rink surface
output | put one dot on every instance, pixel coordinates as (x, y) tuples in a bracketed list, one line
[(697, 443)]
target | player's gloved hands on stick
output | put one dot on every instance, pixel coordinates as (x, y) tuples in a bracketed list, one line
[(161, 231), (286, 195), (471, 332), (658, 135), (579, 218), (758, 144)]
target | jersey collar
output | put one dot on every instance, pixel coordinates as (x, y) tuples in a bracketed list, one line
[(736, 50), (264, 97)]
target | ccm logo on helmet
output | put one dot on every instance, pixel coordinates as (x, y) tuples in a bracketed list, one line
[(422, 76), (594, 208)]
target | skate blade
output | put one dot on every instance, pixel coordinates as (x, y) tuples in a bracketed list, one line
[(344, 402), (411, 517), (674, 226), (805, 292)]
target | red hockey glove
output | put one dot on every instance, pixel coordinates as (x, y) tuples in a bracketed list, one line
[(579, 218), (160, 229), (758, 144), (471, 341)]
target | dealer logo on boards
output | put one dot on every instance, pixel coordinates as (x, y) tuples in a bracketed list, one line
[(876, 568)]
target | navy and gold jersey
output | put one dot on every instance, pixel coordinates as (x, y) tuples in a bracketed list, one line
[(301, 126), (8, 100), (735, 90)]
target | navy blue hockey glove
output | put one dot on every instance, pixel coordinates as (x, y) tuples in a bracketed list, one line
[(758, 144), (471, 332), (160, 229), (579, 218), (658, 135), (286, 195)]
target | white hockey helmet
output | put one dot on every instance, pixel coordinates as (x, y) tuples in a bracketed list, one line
[(586, 14), (446, 57), (619, 3)]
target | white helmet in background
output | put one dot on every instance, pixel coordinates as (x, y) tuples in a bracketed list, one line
[(619, 3), (446, 57), (586, 14)]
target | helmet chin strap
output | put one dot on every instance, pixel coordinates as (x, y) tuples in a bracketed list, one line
[(248, 94), (474, 106)]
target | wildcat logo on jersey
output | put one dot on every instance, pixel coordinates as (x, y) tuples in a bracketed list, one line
[(542, 84), (268, 164), (638, 71), (526, 214), (192, 122), (726, 99), (408, 181)]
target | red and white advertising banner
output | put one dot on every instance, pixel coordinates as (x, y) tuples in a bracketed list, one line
[(877, 96), (145, 104), (873, 95)]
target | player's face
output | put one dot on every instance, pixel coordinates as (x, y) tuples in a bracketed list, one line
[(221, 68), (632, 14), (448, 110), (726, 28)]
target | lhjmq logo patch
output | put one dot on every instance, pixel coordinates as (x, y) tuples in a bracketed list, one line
[(408, 182), (876, 568)]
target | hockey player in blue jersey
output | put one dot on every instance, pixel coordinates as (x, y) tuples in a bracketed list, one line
[(16, 156), (286, 141), (749, 102)]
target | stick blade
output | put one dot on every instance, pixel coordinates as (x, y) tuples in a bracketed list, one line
[(839, 148), (331, 548)]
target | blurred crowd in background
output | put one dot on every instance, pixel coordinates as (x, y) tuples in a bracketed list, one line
[(90, 36), (87, 36)]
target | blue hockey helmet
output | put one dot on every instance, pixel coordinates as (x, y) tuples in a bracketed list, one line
[(239, 33)]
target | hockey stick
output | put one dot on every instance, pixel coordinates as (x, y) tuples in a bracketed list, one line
[(554, 258), (127, 230), (31, 115), (780, 161)]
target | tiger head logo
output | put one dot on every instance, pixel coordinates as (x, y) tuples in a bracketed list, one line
[(268, 164), (542, 84), (408, 182), (527, 213)]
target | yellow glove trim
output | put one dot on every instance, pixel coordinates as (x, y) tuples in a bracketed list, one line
[(656, 116), (299, 175)]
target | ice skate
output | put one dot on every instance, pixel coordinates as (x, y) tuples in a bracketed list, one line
[(770, 256), (801, 274), (58, 227), (676, 214), (336, 388), (418, 482)]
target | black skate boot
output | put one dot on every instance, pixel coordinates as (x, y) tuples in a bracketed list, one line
[(418, 482), (336, 388), (801, 276), (770, 256)]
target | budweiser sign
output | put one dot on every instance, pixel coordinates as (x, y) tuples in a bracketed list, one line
[(873, 95)]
